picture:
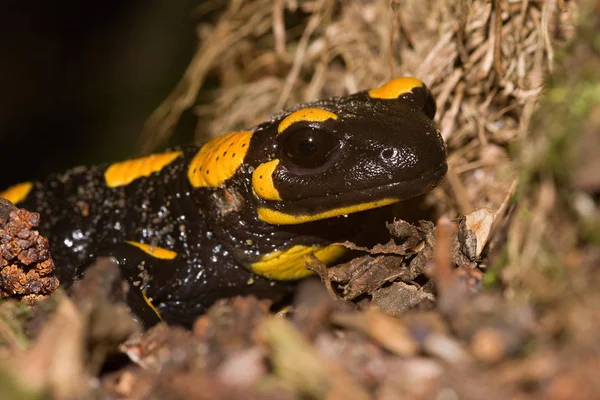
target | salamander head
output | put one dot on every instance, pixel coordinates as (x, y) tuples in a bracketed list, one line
[(347, 154)]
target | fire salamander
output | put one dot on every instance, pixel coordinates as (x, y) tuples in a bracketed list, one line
[(244, 212)]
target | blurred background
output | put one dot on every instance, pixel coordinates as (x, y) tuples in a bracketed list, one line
[(78, 79)]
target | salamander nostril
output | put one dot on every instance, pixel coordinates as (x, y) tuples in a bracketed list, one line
[(389, 153)]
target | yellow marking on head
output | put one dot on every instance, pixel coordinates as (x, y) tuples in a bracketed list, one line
[(154, 251), (125, 172), (149, 303), (279, 218), (218, 159), (394, 88), (290, 264), (305, 114), (17, 193), (262, 181)]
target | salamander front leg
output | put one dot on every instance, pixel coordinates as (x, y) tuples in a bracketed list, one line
[(138, 263), (165, 286)]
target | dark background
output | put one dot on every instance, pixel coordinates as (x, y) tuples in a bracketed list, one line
[(79, 78)]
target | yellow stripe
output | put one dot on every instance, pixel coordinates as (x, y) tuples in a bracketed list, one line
[(279, 218), (219, 159), (394, 88), (17, 193), (154, 251), (147, 300), (305, 114), (290, 264), (262, 181), (125, 172)]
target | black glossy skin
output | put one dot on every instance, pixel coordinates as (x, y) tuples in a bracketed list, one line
[(385, 147), (216, 232), (83, 219)]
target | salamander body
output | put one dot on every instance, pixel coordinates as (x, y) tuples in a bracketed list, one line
[(242, 213)]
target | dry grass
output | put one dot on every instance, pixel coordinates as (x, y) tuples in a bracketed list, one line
[(485, 62)]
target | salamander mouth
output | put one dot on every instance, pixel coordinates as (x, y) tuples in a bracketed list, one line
[(305, 210)]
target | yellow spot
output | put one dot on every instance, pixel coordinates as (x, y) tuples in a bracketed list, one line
[(125, 172), (290, 264), (279, 218), (394, 88), (17, 192), (305, 114), (147, 300), (218, 159), (154, 251), (262, 181)]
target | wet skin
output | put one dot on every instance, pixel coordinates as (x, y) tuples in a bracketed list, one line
[(242, 213)]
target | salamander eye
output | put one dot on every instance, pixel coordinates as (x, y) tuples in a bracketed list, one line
[(309, 147)]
